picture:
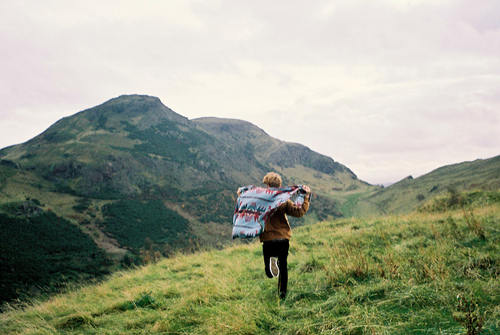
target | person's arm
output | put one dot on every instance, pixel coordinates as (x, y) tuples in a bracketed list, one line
[(295, 211)]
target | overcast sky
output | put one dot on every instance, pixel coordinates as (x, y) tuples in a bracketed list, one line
[(389, 88)]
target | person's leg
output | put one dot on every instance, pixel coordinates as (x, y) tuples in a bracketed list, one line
[(267, 251), (283, 266)]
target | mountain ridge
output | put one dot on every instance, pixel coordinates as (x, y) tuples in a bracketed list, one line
[(410, 193), (276, 152)]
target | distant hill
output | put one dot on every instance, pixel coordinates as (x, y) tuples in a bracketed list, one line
[(143, 182), (410, 193)]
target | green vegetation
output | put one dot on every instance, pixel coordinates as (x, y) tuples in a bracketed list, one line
[(349, 207), (409, 194), (134, 222), (43, 252), (166, 139), (210, 204), (428, 272), (454, 200), (7, 171), (82, 205)]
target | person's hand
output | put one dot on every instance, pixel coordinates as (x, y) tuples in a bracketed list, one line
[(306, 188)]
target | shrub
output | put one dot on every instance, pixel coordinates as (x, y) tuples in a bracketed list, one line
[(132, 222)]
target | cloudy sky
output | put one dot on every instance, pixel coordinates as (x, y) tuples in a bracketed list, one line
[(389, 88)]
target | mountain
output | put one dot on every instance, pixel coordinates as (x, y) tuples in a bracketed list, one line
[(411, 193), (140, 181), (134, 146)]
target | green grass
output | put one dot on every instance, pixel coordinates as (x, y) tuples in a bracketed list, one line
[(408, 274), (409, 194), (349, 207)]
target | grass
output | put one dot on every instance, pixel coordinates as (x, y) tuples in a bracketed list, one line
[(429, 272), (349, 207), (409, 194)]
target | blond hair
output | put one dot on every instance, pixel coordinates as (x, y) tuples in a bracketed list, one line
[(272, 179)]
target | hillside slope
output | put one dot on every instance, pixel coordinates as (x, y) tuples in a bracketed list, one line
[(409, 193), (247, 137), (423, 273)]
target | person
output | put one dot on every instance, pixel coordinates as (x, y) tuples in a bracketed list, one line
[(277, 233)]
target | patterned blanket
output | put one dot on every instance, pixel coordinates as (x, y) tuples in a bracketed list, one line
[(256, 204)]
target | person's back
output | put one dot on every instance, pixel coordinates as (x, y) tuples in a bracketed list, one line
[(277, 227)]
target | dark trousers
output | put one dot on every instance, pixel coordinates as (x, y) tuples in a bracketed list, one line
[(277, 248)]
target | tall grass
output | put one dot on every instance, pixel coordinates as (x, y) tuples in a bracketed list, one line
[(430, 272)]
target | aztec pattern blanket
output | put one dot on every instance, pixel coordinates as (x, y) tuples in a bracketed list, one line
[(256, 204)]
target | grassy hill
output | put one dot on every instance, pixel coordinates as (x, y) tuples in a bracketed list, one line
[(433, 271), (410, 193)]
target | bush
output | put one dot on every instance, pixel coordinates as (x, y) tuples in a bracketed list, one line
[(132, 222), (44, 251)]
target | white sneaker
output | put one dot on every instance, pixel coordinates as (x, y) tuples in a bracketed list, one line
[(273, 266)]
